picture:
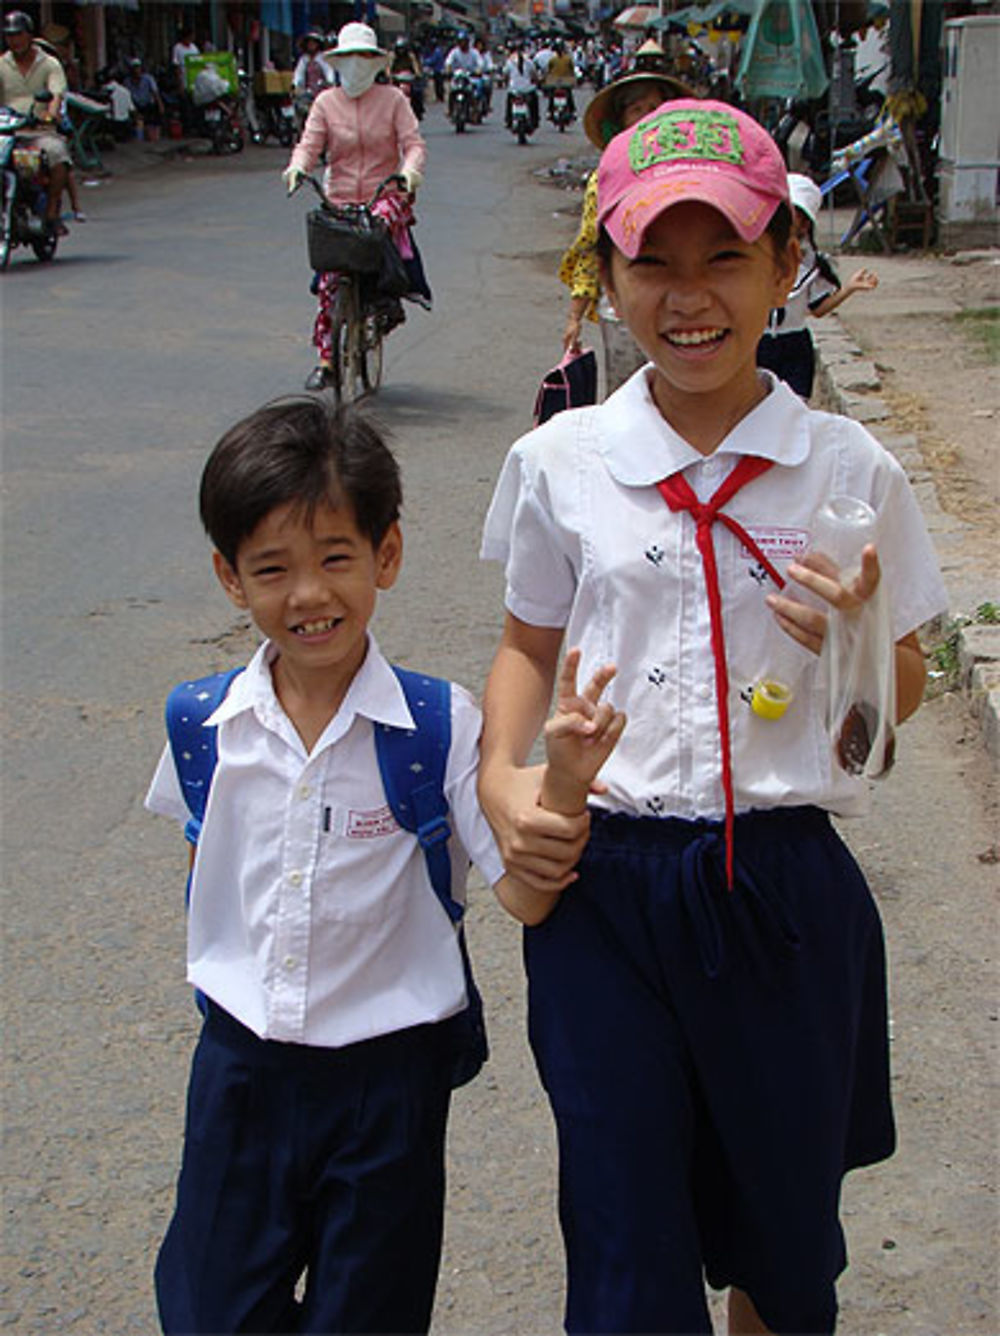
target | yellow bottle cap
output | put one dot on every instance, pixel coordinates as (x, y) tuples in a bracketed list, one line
[(770, 699)]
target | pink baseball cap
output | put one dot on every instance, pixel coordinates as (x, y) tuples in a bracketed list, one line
[(689, 150)]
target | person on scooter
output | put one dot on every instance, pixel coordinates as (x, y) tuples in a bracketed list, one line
[(312, 72), (519, 74), (25, 72), (368, 132), (461, 57), (406, 64), (560, 73), (616, 107), (487, 71)]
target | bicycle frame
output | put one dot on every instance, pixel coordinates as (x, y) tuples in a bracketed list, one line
[(356, 334)]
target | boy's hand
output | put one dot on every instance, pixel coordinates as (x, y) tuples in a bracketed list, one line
[(579, 737), (806, 623), (863, 280)]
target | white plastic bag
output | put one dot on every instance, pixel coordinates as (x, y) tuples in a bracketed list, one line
[(858, 657)]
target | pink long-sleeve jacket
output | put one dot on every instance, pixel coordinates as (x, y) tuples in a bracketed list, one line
[(366, 138)]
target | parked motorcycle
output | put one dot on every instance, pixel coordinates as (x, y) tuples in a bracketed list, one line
[(23, 191), (218, 111), (460, 105), (561, 109), (521, 119), (276, 118)]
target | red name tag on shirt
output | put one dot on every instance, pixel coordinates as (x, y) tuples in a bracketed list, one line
[(371, 825), (778, 544)]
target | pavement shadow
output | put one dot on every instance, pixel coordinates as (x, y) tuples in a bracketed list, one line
[(409, 404)]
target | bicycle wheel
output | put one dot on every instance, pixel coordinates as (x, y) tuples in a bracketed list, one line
[(370, 352), (348, 356)]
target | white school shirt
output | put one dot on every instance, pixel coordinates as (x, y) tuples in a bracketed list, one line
[(312, 935), (518, 80), (590, 545), (810, 289)]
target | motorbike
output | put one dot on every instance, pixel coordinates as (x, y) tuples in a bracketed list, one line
[(460, 107), (221, 119), (412, 86), (276, 118), (23, 191), (521, 121), (560, 109), (218, 111)]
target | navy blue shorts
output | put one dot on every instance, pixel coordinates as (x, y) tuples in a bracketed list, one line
[(328, 1161), (716, 1061), (791, 357)]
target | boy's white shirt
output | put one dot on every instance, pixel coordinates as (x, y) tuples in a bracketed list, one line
[(590, 545), (810, 289), (312, 936)]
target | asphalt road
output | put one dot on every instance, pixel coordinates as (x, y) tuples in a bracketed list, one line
[(178, 308)]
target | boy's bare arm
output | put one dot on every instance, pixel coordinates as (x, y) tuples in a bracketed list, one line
[(578, 740), (539, 847)]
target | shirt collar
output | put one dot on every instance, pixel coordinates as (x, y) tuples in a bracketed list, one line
[(374, 693), (640, 447)]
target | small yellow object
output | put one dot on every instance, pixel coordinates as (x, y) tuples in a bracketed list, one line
[(770, 699)]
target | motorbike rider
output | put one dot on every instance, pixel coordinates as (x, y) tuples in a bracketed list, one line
[(405, 61), (487, 69), (25, 71), (462, 56), (519, 75), (368, 131), (561, 73), (312, 72)]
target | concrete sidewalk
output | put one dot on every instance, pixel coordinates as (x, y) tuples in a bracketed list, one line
[(912, 288)]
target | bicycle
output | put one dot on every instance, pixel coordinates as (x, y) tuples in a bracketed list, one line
[(350, 240)]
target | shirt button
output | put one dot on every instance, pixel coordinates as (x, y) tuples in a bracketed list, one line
[(704, 691), (304, 791), (290, 962), (295, 878)]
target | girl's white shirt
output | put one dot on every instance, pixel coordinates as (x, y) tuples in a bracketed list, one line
[(312, 916), (590, 545)]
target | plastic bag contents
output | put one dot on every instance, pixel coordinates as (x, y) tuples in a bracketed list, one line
[(209, 86), (858, 656)]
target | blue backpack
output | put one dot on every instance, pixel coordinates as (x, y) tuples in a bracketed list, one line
[(412, 765)]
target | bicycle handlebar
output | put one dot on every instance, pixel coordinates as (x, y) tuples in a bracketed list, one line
[(394, 179)]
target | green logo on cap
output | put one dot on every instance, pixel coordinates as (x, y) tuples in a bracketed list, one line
[(685, 136)]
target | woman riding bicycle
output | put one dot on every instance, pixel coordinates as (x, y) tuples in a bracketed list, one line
[(368, 132)]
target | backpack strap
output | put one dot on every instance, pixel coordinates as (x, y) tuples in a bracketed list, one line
[(194, 747), (412, 765)]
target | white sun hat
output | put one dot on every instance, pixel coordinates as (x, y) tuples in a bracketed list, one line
[(356, 39), (805, 195)]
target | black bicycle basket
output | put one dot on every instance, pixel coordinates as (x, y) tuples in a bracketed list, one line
[(345, 239)]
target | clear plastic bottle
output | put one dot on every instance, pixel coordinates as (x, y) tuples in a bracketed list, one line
[(840, 529)]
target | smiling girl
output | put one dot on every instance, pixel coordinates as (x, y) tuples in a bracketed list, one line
[(707, 993)]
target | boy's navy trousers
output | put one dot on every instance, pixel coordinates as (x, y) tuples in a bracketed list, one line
[(716, 1061), (300, 1159)]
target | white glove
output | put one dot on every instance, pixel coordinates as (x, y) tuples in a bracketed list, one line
[(412, 178), (293, 178)]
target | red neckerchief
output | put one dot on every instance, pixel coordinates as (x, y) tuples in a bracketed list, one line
[(678, 494)]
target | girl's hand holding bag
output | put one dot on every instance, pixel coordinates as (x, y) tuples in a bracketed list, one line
[(571, 384)]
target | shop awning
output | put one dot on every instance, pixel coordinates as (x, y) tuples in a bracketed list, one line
[(637, 16)]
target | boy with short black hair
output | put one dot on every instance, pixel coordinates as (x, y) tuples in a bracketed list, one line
[(333, 978)]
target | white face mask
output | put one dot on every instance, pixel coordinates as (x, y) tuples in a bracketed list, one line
[(357, 74)]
